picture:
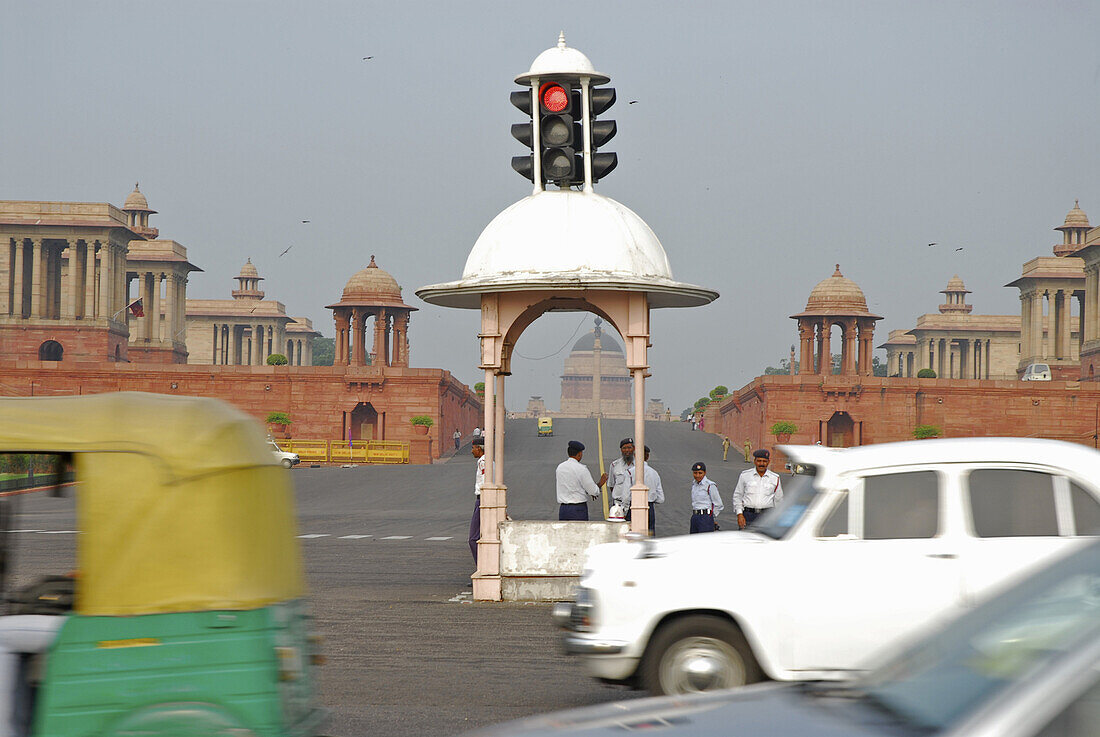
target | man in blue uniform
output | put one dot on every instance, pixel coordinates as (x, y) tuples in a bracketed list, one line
[(574, 485), (706, 504), (757, 489)]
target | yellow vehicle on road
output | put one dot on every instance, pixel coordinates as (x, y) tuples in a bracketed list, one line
[(187, 608), (546, 426)]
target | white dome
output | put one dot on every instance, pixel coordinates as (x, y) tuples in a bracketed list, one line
[(562, 61), (565, 234), (565, 239)]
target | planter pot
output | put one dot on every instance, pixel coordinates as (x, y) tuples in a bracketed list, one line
[(782, 437), (420, 429), (278, 431)]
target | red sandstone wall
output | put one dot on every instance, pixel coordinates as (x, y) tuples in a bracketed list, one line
[(316, 397), (890, 408), (81, 343)]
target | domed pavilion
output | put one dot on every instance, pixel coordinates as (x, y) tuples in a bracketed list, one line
[(372, 292), (836, 301)]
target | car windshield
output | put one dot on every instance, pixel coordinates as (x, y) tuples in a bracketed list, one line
[(946, 677), (799, 492)]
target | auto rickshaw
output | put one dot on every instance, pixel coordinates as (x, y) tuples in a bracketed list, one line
[(188, 615), (546, 426)]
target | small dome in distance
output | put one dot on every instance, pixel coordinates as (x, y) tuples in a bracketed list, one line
[(1075, 218), (136, 202)]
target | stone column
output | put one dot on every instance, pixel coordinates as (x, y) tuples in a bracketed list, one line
[(825, 359), (106, 304), (171, 302), (815, 366), (234, 345), (89, 280), (498, 446), (36, 277), (358, 351), (1036, 348), (380, 343), (988, 359), (154, 318), (964, 356), (1065, 334), (847, 338), (68, 281), (17, 277), (806, 346), (6, 276), (941, 350)]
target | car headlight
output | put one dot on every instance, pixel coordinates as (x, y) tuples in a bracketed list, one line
[(583, 615)]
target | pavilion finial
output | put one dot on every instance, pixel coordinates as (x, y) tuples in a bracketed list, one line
[(372, 265), (561, 40), (837, 272)]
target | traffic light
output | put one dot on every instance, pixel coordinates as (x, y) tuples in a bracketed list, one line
[(560, 133), (602, 98), (522, 132)]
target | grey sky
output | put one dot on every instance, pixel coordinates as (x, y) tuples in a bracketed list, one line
[(769, 141)]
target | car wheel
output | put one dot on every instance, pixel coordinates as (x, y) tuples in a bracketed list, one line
[(287, 463), (698, 653)]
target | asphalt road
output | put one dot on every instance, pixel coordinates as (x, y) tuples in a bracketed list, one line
[(388, 567)]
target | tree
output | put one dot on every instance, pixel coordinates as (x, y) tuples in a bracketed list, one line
[(479, 388), (701, 402), (718, 392), (926, 373), (324, 351), (277, 359), (878, 368)]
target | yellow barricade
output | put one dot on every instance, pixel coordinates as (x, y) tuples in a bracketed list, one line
[(384, 451), (307, 450)]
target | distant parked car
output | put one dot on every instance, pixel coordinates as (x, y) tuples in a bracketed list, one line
[(1036, 372), (867, 545), (287, 459), (1024, 664)]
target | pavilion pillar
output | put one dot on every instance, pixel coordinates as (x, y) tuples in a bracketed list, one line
[(36, 277), (639, 492), (358, 351), (106, 272), (806, 346), (498, 441), (815, 366), (825, 351), (380, 342), (847, 340), (492, 511), (17, 278)]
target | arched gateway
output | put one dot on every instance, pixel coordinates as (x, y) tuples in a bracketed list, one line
[(598, 257)]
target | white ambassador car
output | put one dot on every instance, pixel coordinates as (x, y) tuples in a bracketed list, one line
[(868, 545)]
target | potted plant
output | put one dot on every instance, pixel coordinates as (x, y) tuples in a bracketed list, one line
[(783, 430), (277, 422), (421, 424), (479, 389), (277, 359), (926, 373), (924, 432)]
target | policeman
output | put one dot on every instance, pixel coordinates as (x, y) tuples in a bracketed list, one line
[(757, 489), (706, 504), (620, 477), (477, 450), (574, 485)]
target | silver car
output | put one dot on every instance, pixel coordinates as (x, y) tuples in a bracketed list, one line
[(1024, 664)]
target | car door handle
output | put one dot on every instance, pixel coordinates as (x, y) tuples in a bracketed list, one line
[(942, 556)]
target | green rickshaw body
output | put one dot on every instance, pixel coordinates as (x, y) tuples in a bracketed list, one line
[(189, 615)]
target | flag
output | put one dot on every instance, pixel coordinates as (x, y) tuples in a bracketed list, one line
[(135, 308)]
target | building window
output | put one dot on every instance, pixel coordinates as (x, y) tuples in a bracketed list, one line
[(51, 350)]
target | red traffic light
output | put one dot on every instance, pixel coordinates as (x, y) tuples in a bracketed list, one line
[(553, 97)]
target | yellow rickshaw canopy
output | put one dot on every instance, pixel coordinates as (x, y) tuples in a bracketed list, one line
[(180, 503)]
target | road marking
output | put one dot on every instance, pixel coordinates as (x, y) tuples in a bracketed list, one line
[(311, 536), (354, 537), (57, 532), (464, 597), (438, 538), (28, 530), (397, 537)]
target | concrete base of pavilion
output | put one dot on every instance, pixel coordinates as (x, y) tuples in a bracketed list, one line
[(542, 560)]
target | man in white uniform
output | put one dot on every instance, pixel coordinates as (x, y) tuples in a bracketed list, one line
[(656, 492), (757, 489), (620, 477), (574, 485), (477, 449)]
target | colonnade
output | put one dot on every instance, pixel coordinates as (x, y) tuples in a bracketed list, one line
[(235, 344), (1052, 338), (62, 279), (857, 345), (157, 289), (954, 358), (296, 352), (390, 342)]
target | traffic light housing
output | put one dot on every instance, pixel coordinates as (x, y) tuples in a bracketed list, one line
[(559, 111), (600, 99)]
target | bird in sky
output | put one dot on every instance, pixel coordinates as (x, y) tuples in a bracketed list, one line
[(367, 58), (931, 244), (958, 249), (285, 252), (307, 221), (632, 102)]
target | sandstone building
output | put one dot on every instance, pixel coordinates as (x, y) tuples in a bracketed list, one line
[(595, 380)]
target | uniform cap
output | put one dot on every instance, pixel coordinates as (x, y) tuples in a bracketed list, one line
[(762, 453), (575, 447), (699, 466), (478, 441), (626, 441)]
